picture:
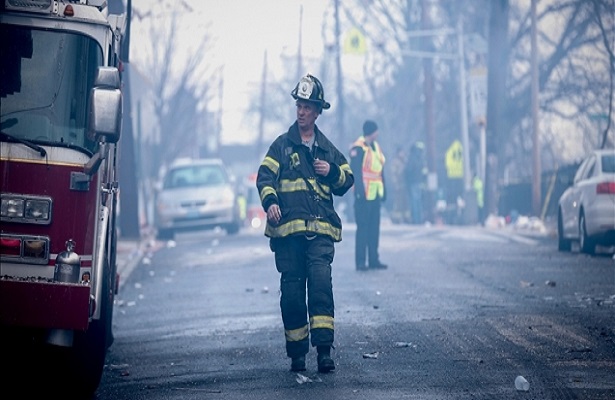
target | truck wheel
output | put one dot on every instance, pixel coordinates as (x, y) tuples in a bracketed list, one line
[(165, 234), (89, 349), (88, 358)]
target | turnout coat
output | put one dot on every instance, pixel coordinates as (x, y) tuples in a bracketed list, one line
[(286, 177)]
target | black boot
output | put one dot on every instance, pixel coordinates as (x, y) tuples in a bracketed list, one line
[(325, 362), (298, 364)]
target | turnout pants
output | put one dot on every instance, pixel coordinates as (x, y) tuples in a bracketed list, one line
[(305, 267)]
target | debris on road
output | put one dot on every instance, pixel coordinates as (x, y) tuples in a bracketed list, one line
[(579, 350), (522, 384), (301, 379)]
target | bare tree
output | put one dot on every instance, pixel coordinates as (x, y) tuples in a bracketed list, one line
[(576, 39), (575, 74), (182, 85)]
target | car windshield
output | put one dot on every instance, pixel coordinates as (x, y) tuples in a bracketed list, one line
[(608, 163), (45, 84), (195, 175)]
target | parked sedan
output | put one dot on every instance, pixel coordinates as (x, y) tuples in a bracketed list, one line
[(256, 217), (586, 210), (197, 194)]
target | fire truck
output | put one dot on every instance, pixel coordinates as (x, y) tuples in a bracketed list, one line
[(60, 123)]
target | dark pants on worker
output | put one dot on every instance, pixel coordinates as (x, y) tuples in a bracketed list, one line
[(416, 203), (305, 267), (367, 217)]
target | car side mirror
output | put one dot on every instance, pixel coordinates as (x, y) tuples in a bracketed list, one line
[(106, 105)]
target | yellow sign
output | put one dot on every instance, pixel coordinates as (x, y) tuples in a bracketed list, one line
[(355, 42), (454, 160)]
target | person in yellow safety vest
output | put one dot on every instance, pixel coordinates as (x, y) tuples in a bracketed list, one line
[(243, 207), (296, 181), (367, 164), (477, 183)]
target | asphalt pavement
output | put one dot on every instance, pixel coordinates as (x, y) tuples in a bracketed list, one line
[(131, 251)]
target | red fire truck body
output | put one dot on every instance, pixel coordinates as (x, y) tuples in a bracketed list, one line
[(60, 118)]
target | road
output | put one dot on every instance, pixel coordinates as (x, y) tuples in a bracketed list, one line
[(460, 313)]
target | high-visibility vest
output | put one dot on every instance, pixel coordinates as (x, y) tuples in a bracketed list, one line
[(480, 193), (373, 162)]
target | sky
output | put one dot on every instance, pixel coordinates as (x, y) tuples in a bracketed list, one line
[(243, 30)]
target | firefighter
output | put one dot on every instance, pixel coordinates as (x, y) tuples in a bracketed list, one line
[(367, 161), (296, 181)]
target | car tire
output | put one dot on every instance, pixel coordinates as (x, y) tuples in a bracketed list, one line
[(232, 229), (165, 234), (86, 359), (586, 244), (563, 244)]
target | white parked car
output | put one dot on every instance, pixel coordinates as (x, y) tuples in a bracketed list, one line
[(197, 194), (586, 210)]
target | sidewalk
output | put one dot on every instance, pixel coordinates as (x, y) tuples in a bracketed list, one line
[(130, 252)]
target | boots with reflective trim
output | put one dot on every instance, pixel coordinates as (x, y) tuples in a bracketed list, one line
[(325, 362), (298, 364)]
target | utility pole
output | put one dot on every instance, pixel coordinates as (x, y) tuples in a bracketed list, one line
[(460, 57), (129, 197), (536, 181), (496, 76), (463, 110), (261, 121), (300, 46), (338, 65), (428, 91), (471, 207), (430, 136)]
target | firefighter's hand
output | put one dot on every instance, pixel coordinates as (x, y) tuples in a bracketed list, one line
[(321, 167), (274, 214)]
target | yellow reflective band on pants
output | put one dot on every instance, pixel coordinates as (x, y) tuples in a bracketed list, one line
[(318, 227), (296, 335), (321, 321)]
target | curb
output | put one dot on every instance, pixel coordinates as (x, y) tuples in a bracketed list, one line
[(130, 252)]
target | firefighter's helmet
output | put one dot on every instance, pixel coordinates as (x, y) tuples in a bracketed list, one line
[(309, 88)]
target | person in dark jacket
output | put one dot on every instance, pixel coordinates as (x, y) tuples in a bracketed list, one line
[(367, 162), (297, 180), (416, 177)]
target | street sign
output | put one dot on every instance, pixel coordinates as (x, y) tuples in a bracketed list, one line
[(355, 42), (478, 94)]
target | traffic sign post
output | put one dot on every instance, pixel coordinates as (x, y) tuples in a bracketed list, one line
[(469, 196)]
